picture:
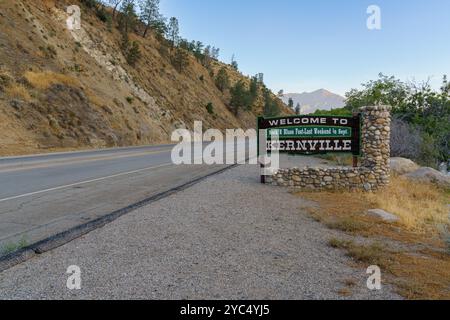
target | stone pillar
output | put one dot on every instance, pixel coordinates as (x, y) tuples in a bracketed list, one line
[(376, 147)]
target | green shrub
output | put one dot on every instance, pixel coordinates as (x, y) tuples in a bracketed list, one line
[(12, 247), (130, 100), (133, 54), (210, 108)]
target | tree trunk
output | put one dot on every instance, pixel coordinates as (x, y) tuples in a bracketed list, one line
[(145, 31), (115, 9)]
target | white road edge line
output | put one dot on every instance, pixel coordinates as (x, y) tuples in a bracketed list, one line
[(84, 182), (89, 181)]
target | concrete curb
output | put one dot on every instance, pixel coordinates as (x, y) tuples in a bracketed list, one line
[(53, 242)]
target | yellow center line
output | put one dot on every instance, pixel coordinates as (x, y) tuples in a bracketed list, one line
[(85, 182), (18, 167)]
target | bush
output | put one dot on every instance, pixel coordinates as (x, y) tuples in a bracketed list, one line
[(130, 100), (103, 15), (271, 108), (90, 3), (133, 54), (210, 108), (222, 80), (240, 97), (406, 140), (180, 59)]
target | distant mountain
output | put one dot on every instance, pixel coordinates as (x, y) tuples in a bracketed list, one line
[(317, 100)]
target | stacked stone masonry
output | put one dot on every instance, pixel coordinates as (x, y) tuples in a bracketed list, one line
[(374, 170)]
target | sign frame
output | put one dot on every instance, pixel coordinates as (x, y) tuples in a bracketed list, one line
[(326, 121)]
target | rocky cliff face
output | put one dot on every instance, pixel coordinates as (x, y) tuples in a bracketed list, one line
[(62, 89)]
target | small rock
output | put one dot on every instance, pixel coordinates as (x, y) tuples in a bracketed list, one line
[(383, 215)]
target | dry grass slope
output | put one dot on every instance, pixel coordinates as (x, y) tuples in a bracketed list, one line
[(76, 90), (44, 80), (18, 91)]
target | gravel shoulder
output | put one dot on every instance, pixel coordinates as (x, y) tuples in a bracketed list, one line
[(227, 237)]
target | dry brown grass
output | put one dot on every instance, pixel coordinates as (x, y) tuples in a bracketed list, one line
[(345, 292), (422, 208), (18, 91), (423, 275), (373, 254), (93, 98), (44, 80)]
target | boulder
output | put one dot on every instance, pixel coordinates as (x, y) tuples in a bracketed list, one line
[(383, 215), (401, 166), (431, 176)]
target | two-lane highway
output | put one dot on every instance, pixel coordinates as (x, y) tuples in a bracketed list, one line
[(44, 195)]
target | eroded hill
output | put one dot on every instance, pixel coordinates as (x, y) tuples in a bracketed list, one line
[(62, 89)]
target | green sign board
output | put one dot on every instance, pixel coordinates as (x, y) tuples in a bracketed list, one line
[(312, 134)]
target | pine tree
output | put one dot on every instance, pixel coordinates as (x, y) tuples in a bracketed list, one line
[(128, 17), (222, 79), (234, 63), (198, 50), (298, 109), (173, 31), (206, 59), (115, 4), (254, 88), (271, 108), (215, 53), (240, 97), (150, 15), (180, 59), (291, 103)]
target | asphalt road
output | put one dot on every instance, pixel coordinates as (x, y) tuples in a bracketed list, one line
[(44, 195)]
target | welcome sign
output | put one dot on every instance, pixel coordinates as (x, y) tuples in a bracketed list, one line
[(312, 134)]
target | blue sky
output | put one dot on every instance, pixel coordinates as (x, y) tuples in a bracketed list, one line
[(306, 45)]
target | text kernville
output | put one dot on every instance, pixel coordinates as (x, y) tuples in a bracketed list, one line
[(310, 145)]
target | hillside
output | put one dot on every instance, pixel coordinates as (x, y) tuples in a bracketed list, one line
[(317, 100), (62, 89)]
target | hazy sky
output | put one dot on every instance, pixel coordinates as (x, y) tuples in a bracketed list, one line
[(305, 45)]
